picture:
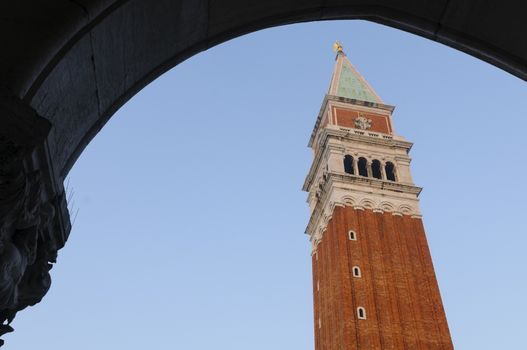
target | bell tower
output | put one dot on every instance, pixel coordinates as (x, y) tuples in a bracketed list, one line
[(374, 284)]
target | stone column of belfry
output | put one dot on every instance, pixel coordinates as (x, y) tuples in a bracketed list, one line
[(373, 280)]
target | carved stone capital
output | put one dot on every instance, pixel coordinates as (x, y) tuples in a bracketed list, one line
[(34, 222)]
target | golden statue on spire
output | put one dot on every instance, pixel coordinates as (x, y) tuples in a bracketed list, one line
[(337, 47)]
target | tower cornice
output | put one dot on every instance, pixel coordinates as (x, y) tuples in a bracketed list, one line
[(361, 193)]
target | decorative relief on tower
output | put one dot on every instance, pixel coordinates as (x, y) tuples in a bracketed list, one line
[(348, 116), (362, 122)]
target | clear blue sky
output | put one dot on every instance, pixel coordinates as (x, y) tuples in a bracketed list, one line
[(191, 221)]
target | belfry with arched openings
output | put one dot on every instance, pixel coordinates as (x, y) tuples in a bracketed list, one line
[(375, 282)]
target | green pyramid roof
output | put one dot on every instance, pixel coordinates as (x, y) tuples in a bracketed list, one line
[(347, 82)]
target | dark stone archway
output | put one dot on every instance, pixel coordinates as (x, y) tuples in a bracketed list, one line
[(67, 66)]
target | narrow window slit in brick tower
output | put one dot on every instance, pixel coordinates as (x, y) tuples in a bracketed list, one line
[(356, 271), (361, 313)]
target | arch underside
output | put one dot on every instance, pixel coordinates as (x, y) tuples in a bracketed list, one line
[(84, 59), (75, 63)]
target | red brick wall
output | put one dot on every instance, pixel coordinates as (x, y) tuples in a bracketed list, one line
[(398, 287), (346, 118)]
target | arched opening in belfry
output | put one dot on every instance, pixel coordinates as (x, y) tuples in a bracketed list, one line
[(376, 169), (363, 167), (390, 171), (348, 164)]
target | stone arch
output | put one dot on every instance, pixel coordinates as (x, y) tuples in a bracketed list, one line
[(376, 169), (367, 203), (386, 206), (348, 164), (405, 209), (390, 170), (362, 167), (348, 200)]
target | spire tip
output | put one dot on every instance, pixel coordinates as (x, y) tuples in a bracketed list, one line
[(337, 47)]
